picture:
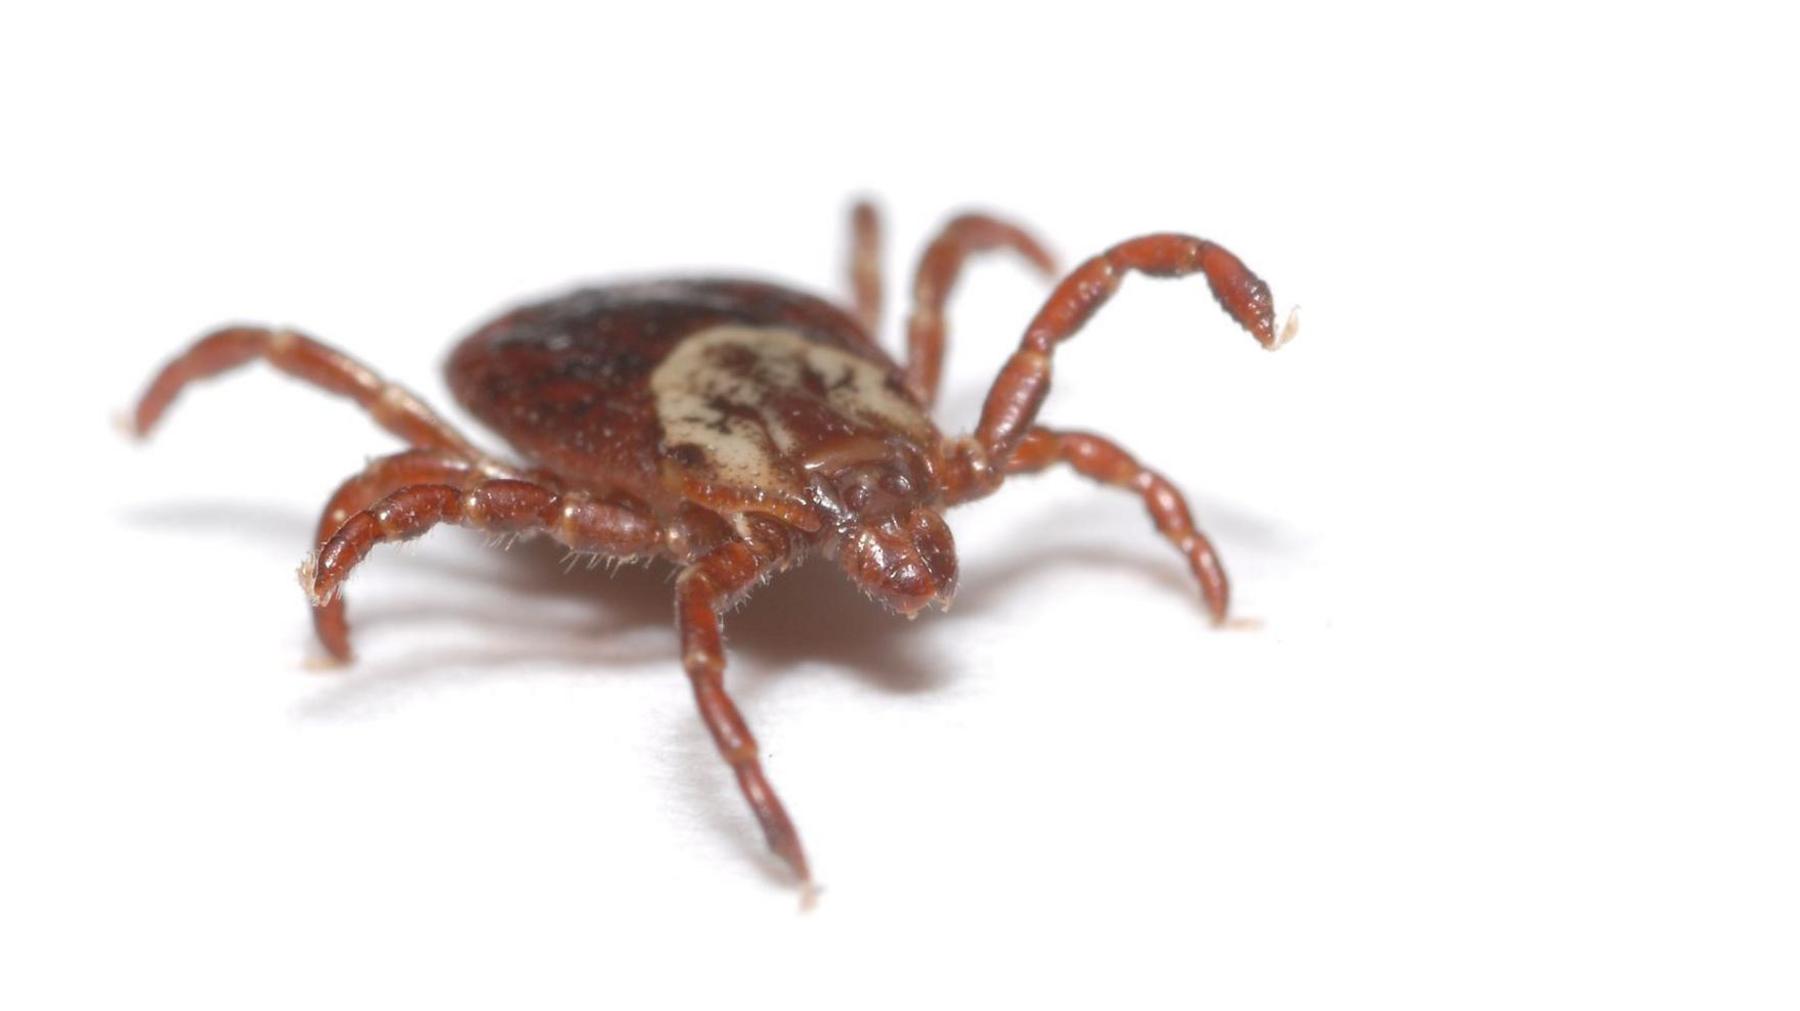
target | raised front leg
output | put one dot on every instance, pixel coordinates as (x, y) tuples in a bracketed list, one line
[(298, 355), (939, 268), (703, 592), (1017, 394), (1105, 461)]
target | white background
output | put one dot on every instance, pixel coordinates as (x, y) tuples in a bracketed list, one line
[(1519, 727)]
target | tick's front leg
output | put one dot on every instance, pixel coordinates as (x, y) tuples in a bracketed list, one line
[(703, 591), (1105, 461), (1024, 381)]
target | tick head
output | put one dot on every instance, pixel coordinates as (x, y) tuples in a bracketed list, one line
[(891, 541), (905, 561)]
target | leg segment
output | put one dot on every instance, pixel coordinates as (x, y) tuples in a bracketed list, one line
[(501, 505), (1013, 402), (378, 480), (865, 264), (298, 355), (1104, 461), (703, 592), (936, 277)]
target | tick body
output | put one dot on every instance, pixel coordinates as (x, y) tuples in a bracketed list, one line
[(735, 429)]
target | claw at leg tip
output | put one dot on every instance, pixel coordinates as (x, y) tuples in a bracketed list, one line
[(1217, 609), (309, 581), (1288, 329), (308, 566), (127, 424)]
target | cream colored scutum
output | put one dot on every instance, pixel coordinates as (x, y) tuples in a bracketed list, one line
[(708, 369)]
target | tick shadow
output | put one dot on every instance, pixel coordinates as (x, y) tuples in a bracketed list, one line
[(528, 611), (532, 611), (265, 524)]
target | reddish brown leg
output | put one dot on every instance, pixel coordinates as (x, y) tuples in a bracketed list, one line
[(378, 480), (703, 592), (298, 355), (502, 505), (865, 265), (936, 277), (1013, 402), (1104, 461)]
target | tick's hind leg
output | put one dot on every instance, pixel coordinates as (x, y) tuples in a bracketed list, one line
[(618, 528), (865, 265), (936, 277), (1104, 461), (379, 479), (704, 590), (298, 355)]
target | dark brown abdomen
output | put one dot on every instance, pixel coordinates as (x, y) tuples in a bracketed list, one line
[(566, 381)]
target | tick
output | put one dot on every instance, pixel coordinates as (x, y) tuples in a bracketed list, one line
[(734, 428)]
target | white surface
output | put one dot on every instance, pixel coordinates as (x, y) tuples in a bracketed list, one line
[(1518, 730)]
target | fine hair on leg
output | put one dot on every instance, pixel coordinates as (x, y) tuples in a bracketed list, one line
[(615, 527), (382, 477)]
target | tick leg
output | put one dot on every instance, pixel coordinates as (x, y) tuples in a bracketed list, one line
[(865, 264), (378, 480), (703, 591), (298, 355), (1105, 461), (619, 528), (1019, 391), (936, 277)]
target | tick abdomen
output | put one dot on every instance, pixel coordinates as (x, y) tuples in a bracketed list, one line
[(731, 381)]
